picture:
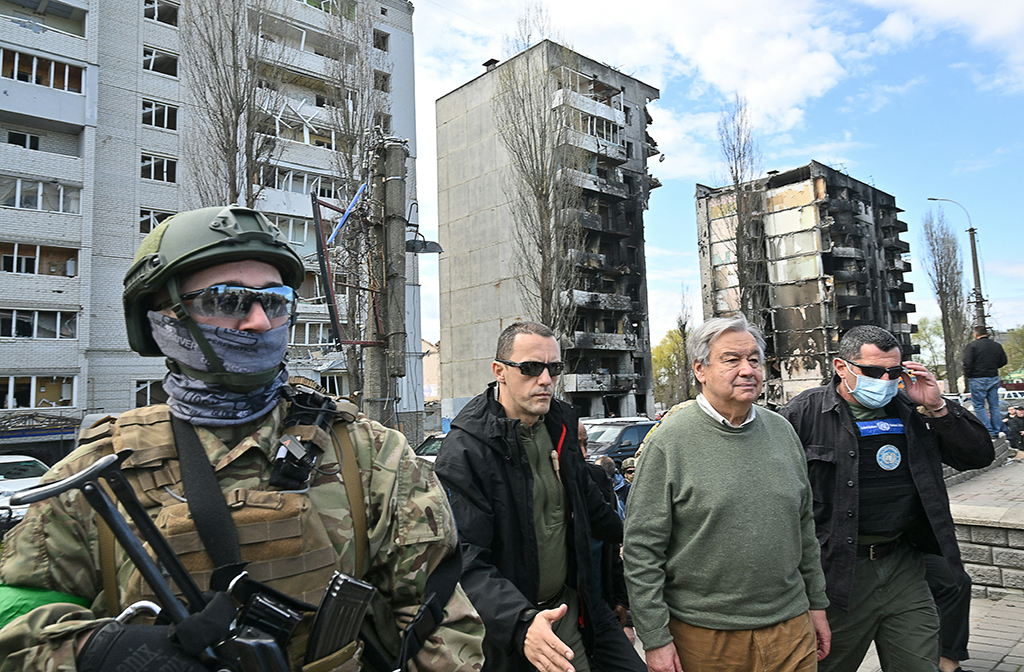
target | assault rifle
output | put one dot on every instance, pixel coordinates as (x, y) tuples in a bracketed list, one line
[(261, 628)]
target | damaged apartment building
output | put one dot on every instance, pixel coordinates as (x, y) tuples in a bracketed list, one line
[(607, 352), (823, 255), (94, 153)]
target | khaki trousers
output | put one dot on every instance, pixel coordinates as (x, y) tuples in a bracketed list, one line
[(789, 646)]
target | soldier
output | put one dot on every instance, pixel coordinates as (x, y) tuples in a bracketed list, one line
[(213, 290)]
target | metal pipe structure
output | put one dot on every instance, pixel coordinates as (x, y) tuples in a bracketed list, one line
[(979, 299)]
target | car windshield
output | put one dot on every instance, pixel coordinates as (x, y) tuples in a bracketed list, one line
[(430, 447), (602, 433), (21, 469)]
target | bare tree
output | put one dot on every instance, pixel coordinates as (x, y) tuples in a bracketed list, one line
[(233, 67), (944, 265), (357, 106), (743, 163), (535, 124), (683, 321)]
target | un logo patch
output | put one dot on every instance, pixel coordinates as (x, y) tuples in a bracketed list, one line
[(888, 457)]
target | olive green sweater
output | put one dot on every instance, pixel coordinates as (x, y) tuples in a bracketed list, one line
[(719, 530)]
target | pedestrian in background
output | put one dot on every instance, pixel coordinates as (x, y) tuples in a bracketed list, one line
[(982, 359)]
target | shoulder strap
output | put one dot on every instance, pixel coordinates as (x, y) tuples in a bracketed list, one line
[(356, 503), (108, 567), (206, 503)]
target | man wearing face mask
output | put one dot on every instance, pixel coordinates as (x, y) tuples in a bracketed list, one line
[(874, 458), (213, 291)]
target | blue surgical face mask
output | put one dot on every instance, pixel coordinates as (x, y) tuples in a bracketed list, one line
[(873, 392)]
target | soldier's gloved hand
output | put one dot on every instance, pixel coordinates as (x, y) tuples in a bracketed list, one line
[(210, 626), (116, 646)]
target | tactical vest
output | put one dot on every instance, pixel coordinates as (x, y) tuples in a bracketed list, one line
[(289, 539), (889, 503)]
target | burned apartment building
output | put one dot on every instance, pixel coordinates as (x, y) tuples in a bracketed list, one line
[(608, 348), (822, 254)]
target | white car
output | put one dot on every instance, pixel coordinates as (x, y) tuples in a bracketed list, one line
[(17, 472)]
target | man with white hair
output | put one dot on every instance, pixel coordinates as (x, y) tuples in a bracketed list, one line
[(722, 565)]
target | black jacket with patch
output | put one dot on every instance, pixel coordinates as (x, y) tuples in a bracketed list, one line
[(826, 428)]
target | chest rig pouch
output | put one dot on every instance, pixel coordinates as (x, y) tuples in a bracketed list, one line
[(277, 533)]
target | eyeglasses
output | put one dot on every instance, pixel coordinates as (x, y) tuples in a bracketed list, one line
[(879, 371), (630, 471), (234, 302), (534, 369)]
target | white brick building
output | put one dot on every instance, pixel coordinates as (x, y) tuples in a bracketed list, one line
[(94, 115)]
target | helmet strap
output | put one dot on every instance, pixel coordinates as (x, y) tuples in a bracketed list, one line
[(181, 312), (236, 382)]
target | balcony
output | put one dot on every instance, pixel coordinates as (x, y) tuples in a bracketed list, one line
[(595, 222), (894, 284), (591, 106), (601, 301), (847, 252), (586, 340), (895, 243), (600, 382), (897, 265), (847, 300), (895, 225), (902, 307), (850, 276), (603, 148), (597, 184)]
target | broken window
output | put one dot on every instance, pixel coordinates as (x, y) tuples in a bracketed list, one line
[(159, 115), (150, 219), (49, 196), (161, 10), (37, 324), (37, 391), (155, 60), (40, 71), (381, 40), (382, 121), (149, 392), (381, 81), (294, 229), (310, 333), (159, 168)]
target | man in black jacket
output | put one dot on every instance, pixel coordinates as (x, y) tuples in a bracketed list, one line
[(526, 509), (874, 459), (982, 359)]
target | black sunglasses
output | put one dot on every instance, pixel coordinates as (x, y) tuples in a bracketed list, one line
[(235, 302), (878, 371), (534, 369)]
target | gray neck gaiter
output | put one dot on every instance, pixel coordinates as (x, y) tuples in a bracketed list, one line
[(209, 404)]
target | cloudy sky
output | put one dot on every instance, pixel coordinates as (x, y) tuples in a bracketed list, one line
[(918, 97)]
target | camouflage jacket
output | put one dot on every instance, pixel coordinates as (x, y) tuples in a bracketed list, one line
[(410, 530)]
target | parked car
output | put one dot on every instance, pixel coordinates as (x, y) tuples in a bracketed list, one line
[(1004, 406), (430, 446), (17, 472), (618, 438)]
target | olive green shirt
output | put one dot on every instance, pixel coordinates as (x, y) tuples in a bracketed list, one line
[(548, 509)]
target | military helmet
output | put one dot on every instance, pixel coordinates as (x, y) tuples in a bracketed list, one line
[(191, 241)]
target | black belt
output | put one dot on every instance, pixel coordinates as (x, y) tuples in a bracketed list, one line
[(877, 551)]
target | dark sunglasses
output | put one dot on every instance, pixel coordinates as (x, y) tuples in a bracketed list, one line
[(235, 302), (878, 371), (534, 369)]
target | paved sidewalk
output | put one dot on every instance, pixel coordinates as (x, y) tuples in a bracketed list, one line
[(997, 624)]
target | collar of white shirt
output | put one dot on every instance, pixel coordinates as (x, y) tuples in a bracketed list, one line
[(706, 406)]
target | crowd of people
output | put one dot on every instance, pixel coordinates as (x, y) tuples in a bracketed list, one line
[(738, 539)]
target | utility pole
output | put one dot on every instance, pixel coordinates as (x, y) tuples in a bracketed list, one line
[(978, 299), (386, 316)]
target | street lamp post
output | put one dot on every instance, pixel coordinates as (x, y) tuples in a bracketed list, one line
[(979, 299)]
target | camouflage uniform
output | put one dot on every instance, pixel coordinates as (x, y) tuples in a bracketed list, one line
[(409, 525)]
